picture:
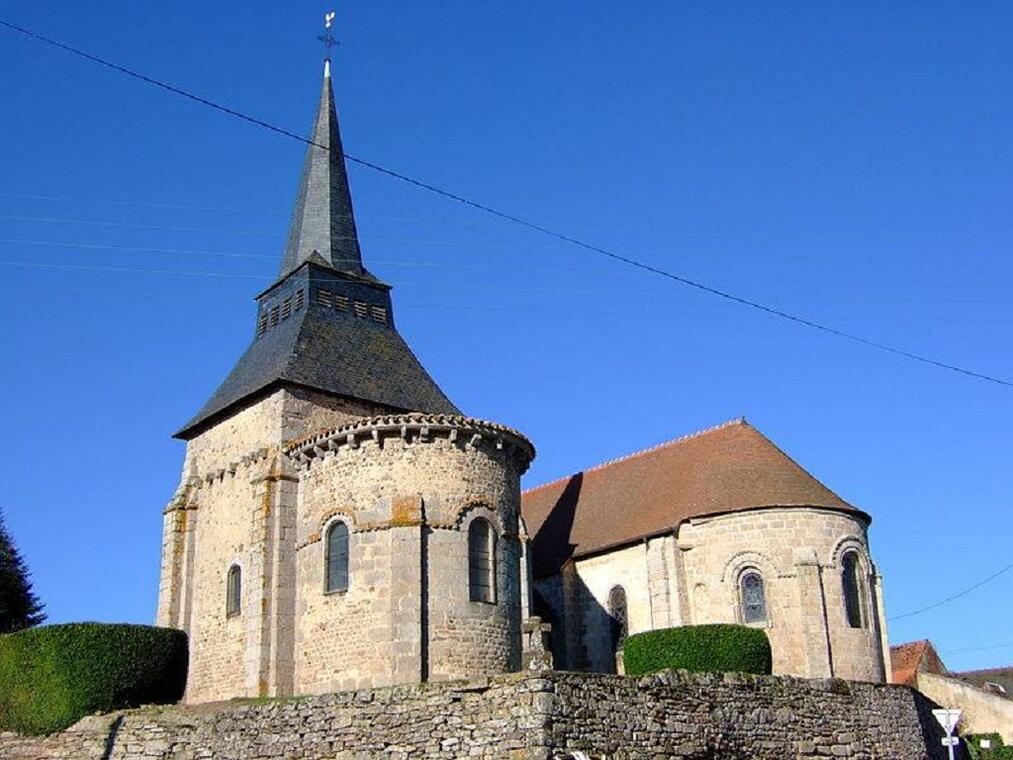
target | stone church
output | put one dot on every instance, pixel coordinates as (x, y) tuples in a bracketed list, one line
[(720, 526), (340, 524)]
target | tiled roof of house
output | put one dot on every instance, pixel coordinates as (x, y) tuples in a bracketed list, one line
[(907, 660), (989, 678), (904, 659), (729, 468)]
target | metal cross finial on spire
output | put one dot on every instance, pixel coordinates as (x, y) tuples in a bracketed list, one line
[(328, 39), (328, 42)]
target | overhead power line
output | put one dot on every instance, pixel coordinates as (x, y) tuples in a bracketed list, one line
[(984, 648), (102, 201), (956, 596), (134, 270), (189, 251), (179, 206), (723, 294), (137, 226), (263, 278)]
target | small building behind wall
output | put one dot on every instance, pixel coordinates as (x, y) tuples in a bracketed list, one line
[(717, 527), (979, 695)]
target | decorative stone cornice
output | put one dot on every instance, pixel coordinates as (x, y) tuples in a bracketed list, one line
[(416, 428), (212, 476), (184, 496)]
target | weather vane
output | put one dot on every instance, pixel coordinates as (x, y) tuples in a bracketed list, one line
[(328, 37)]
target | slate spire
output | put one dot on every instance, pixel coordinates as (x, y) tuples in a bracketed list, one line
[(323, 225), (326, 324)]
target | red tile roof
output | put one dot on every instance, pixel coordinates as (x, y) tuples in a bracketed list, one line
[(729, 468), (1002, 677), (910, 659)]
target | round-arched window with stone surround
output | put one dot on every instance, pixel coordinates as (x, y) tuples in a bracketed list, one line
[(618, 617), (481, 561), (336, 558), (233, 591), (853, 589), (752, 596)]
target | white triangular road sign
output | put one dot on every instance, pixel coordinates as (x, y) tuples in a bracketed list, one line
[(948, 719)]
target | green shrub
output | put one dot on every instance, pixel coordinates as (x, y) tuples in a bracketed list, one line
[(50, 677), (699, 648), (998, 751)]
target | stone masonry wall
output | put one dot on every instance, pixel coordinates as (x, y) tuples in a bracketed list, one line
[(724, 716), (406, 615), (236, 506), (525, 715), (692, 577), (984, 712), (626, 567), (798, 553)]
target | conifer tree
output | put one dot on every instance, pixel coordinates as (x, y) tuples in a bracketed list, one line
[(20, 608)]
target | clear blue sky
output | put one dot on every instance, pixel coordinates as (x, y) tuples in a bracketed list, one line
[(851, 163)]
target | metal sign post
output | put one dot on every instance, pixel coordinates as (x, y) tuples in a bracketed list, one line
[(949, 719)]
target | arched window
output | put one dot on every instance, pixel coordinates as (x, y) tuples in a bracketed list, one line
[(851, 576), (751, 597), (618, 617), (233, 591), (481, 561), (336, 570)]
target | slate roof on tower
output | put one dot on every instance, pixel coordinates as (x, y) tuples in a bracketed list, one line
[(729, 468), (323, 223), (327, 323)]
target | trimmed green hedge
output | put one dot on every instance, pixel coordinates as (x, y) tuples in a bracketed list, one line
[(50, 677), (998, 751), (700, 648)]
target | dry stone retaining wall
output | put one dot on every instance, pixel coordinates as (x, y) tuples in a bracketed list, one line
[(526, 715)]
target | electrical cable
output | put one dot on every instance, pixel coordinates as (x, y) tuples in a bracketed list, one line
[(949, 599), (702, 287)]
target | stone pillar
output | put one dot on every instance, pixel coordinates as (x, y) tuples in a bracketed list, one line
[(175, 588), (191, 517), (173, 536), (813, 629), (659, 576), (276, 493), (680, 586), (880, 620), (525, 562), (573, 614), (409, 589)]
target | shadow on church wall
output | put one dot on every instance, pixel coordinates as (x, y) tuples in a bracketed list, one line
[(583, 631), (550, 546)]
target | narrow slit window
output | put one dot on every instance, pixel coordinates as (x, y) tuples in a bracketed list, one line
[(299, 299), (233, 591), (481, 561), (337, 558), (753, 600), (618, 617), (262, 323), (286, 308), (274, 316), (851, 578)]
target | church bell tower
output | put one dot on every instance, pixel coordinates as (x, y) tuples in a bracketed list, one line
[(328, 418)]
